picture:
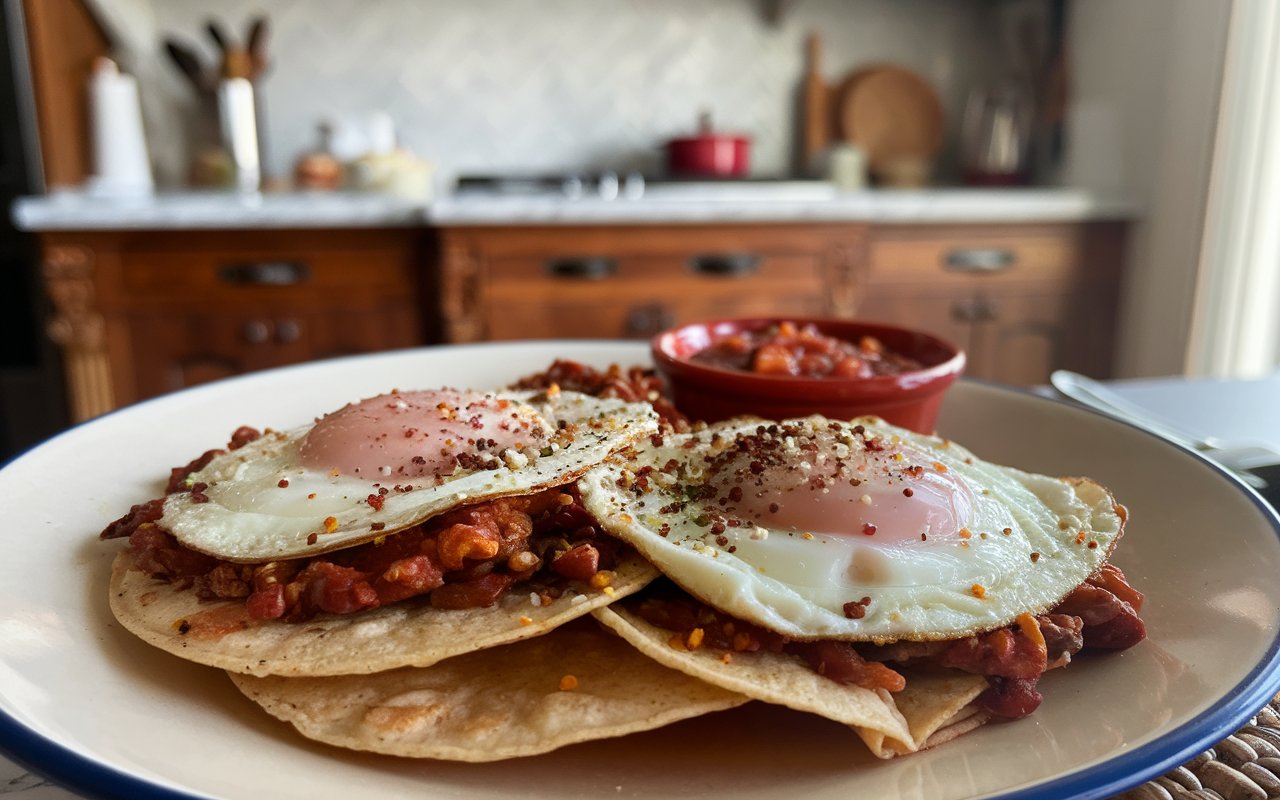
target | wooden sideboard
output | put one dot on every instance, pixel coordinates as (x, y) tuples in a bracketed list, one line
[(138, 314), (1022, 299), (142, 313)]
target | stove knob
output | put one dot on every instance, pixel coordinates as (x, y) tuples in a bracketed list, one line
[(633, 186), (607, 186), (572, 187)]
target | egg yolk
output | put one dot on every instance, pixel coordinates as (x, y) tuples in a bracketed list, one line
[(888, 501), (420, 434)]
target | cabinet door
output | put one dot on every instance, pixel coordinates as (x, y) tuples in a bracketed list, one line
[(174, 351), (1009, 335)]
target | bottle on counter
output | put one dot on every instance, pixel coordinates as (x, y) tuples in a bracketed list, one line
[(320, 170)]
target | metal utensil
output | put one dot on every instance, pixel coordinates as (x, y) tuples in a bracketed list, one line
[(256, 44), (188, 63), (1237, 457)]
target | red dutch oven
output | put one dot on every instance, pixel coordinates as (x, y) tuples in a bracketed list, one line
[(708, 154)]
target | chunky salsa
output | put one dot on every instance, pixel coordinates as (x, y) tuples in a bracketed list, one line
[(803, 352)]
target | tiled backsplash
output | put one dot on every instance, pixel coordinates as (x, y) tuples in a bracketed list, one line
[(554, 85)]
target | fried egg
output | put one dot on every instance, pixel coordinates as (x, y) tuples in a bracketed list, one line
[(861, 530), (387, 463)]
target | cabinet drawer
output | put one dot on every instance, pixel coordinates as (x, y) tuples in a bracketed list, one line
[(637, 318), (605, 278), (244, 275), (229, 269), (957, 258)]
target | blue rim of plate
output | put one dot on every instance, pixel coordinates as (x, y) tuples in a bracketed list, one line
[(81, 774)]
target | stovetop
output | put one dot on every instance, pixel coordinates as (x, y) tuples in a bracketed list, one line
[(634, 186)]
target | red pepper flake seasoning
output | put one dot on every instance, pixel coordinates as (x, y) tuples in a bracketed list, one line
[(1080, 537), (197, 493), (979, 591), (1093, 545), (868, 529), (375, 501), (284, 483), (312, 537), (964, 533), (377, 526), (1035, 557), (907, 492), (726, 657), (311, 496), (330, 524), (1007, 531), (939, 466), (857, 609)]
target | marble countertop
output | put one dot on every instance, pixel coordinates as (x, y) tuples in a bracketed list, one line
[(820, 203), (796, 202), (75, 210)]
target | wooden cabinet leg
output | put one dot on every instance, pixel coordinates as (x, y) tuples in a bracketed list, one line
[(78, 329)]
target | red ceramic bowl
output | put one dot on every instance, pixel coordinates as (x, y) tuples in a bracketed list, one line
[(910, 399)]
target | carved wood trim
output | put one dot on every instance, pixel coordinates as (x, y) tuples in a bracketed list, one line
[(78, 329), (845, 267)]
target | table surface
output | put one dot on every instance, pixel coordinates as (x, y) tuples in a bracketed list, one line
[(1242, 411)]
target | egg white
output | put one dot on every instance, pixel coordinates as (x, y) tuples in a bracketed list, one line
[(1029, 539), (250, 517)]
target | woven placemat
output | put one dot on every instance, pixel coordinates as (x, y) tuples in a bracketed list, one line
[(1244, 766)]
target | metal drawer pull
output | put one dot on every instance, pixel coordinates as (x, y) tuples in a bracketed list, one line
[(288, 331), (992, 259), (591, 268), (265, 273), (256, 331), (725, 264)]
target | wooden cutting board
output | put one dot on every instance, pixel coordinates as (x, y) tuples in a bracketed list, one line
[(890, 113)]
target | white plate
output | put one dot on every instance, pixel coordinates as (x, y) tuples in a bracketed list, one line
[(90, 705)]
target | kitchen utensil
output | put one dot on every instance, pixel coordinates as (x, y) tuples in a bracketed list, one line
[(237, 118), (995, 136), (188, 63), (709, 154), (1237, 457), (256, 43), (218, 35), (817, 113), (891, 114)]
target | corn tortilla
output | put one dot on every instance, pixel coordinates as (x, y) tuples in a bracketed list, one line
[(504, 702), (410, 633), (784, 680)]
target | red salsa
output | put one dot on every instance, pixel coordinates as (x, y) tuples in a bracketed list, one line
[(803, 352)]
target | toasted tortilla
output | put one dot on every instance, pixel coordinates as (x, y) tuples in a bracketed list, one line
[(500, 703), (410, 633), (889, 724)]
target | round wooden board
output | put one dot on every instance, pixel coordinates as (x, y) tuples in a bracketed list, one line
[(889, 113)]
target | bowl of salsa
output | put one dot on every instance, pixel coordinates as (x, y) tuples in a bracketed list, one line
[(795, 367)]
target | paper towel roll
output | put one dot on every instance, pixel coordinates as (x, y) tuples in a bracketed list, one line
[(120, 159)]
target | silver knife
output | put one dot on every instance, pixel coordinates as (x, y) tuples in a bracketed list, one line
[(1241, 459)]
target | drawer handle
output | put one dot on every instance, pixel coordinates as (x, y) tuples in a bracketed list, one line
[(256, 331), (265, 273), (591, 268), (732, 265), (648, 319), (992, 259), (288, 331)]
